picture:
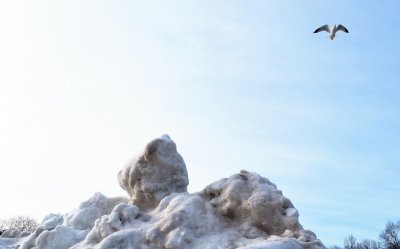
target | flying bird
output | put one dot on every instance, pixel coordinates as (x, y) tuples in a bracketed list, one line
[(332, 31)]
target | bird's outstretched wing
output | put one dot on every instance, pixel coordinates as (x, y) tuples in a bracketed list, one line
[(323, 28), (342, 28)]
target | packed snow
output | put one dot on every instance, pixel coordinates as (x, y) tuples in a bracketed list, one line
[(244, 211)]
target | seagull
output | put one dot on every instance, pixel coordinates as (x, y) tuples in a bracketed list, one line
[(331, 31)]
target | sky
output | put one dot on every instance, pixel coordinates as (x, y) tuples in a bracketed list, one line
[(84, 85)]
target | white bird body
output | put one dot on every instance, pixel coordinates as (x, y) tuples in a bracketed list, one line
[(331, 31)]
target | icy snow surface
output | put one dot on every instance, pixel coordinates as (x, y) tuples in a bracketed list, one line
[(244, 211)]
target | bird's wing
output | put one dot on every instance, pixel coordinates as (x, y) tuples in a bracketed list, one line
[(323, 28), (342, 28)]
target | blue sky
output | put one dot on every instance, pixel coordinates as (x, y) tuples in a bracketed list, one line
[(84, 85)]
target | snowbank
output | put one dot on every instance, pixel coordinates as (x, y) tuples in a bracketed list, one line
[(244, 211)]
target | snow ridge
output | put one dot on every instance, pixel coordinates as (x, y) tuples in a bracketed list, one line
[(244, 211)]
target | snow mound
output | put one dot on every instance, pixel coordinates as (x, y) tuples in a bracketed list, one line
[(250, 198), (145, 177), (244, 211)]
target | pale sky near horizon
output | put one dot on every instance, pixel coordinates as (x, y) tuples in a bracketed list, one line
[(84, 85)]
